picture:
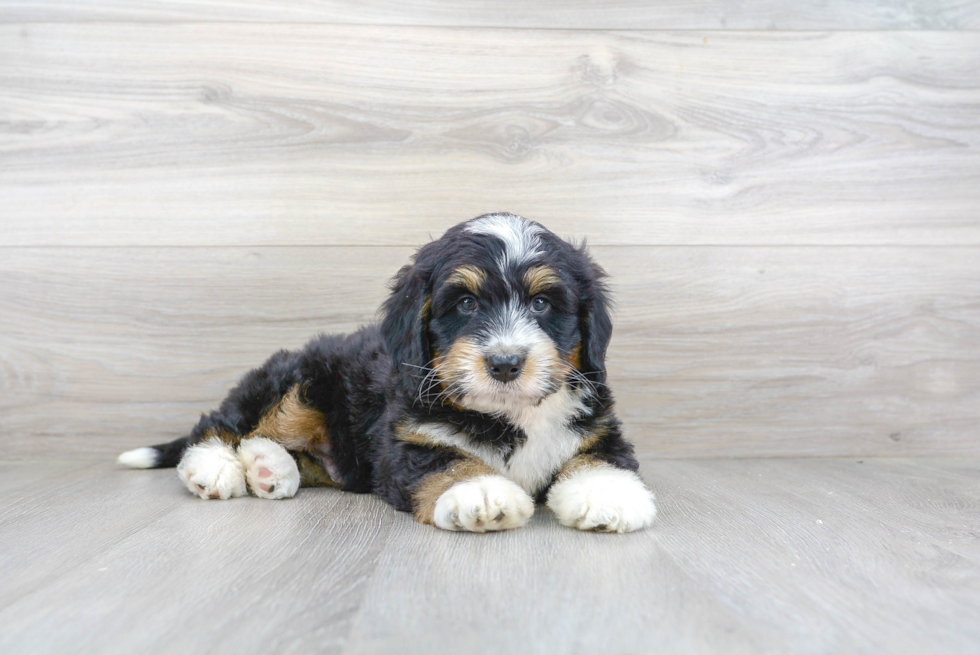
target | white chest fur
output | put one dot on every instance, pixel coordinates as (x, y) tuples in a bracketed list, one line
[(550, 441)]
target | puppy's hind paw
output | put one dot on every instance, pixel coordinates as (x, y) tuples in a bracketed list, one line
[(481, 504), (211, 470), (269, 468), (605, 499)]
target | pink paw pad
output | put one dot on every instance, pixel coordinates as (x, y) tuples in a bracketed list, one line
[(270, 470)]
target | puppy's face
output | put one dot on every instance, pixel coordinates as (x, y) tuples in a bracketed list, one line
[(502, 335), (505, 311)]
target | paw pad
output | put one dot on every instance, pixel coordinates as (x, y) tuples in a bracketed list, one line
[(211, 470), (270, 470)]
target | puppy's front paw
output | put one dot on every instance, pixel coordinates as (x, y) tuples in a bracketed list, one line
[(605, 499), (269, 468), (211, 469), (488, 502)]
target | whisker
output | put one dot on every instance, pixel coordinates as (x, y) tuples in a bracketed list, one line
[(429, 382), (590, 385)]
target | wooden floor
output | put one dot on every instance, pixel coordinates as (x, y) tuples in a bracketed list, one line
[(785, 193), (747, 556)]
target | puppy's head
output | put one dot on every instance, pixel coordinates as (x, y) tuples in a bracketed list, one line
[(497, 314)]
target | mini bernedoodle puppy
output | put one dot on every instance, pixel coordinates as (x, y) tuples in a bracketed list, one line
[(482, 391)]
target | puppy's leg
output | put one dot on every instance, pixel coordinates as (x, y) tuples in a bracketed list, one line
[(591, 494), (469, 496), (240, 413), (211, 469), (270, 470)]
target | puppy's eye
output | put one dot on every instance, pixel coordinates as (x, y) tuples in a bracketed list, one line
[(540, 304), (467, 304)]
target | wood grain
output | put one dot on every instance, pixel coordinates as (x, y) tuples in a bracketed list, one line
[(716, 352), (822, 571), (542, 589), (285, 134), (798, 351), (580, 14), (52, 531), (747, 556), (216, 578)]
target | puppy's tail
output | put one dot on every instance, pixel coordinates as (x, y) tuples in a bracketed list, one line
[(161, 456)]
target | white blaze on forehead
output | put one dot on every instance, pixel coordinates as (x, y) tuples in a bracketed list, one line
[(520, 237)]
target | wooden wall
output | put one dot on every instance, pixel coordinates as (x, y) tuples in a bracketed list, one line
[(787, 195)]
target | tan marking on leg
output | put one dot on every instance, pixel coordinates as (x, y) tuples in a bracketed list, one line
[(225, 436), (311, 474), (539, 279), (293, 424), (435, 484), (470, 277), (580, 463)]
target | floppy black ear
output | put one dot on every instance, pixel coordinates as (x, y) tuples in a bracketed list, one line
[(405, 324), (595, 323)]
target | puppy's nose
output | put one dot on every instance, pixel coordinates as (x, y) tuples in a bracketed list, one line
[(505, 367)]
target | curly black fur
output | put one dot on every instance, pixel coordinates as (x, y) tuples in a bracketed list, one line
[(369, 383)]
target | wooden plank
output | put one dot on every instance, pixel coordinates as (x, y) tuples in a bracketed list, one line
[(819, 571), (204, 577), (928, 497), (798, 351), (717, 351), (284, 134), (23, 481), (617, 14), (138, 342), (542, 589), (747, 556), (69, 520)]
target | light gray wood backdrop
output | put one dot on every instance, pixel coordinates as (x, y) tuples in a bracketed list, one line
[(790, 215)]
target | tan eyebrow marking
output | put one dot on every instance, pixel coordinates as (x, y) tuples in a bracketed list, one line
[(540, 278), (470, 277)]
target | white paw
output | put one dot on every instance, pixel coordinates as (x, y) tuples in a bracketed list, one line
[(488, 502), (210, 469), (605, 499), (270, 470)]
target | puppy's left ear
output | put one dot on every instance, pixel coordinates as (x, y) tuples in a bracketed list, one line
[(405, 325), (595, 323)]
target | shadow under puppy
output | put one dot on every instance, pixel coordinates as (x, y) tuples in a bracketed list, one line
[(482, 390)]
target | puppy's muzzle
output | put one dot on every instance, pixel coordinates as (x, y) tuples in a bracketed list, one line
[(505, 368)]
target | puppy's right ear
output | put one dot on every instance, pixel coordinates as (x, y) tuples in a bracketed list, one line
[(405, 325)]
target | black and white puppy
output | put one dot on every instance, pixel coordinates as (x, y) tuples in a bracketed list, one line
[(482, 391)]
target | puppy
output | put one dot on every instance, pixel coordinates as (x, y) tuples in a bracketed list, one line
[(482, 391)]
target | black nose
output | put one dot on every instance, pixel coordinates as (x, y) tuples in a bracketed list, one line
[(505, 367)]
